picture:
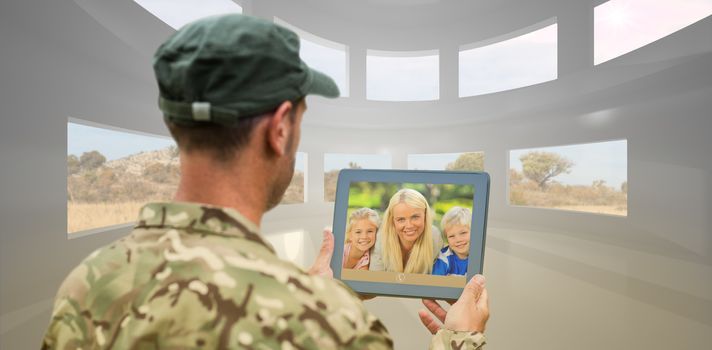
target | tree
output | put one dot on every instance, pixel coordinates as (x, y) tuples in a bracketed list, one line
[(91, 160), (330, 180), (354, 165), (598, 183), (72, 164), (161, 173), (541, 167), (624, 187), (515, 178), (469, 161), (174, 151)]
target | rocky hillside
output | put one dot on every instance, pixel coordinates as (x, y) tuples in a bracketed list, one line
[(140, 177), (136, 164)]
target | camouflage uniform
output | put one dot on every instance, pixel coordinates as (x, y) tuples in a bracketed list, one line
[(192, 276)]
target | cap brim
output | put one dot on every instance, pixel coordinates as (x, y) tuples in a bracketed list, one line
[(322, 85)]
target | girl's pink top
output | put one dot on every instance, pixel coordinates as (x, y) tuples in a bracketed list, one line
[(362, 263)]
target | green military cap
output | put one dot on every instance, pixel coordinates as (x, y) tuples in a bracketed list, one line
[(222, 68)]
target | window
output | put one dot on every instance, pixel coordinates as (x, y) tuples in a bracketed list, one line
[(402, 76), (621, 26), (587, 177), (334, 162), (296, 192), (466, 161), (521, 61), (112, 173), (178, 13), (326, 56)]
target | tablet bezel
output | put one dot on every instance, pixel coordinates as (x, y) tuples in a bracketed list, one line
[(481, 183)]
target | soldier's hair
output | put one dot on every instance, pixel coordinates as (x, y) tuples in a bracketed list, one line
[(220, 140), (456, 216), (360, 214), (421, 257)]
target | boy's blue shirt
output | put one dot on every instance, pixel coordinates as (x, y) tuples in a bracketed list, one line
[(448, 263)]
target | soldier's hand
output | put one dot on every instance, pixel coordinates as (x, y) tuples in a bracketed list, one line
[(469, 313), (365, 297), (322, 264)]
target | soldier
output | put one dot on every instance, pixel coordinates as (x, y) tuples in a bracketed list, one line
[(195, 273)]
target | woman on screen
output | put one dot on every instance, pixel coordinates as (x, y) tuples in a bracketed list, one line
[(360, 238), (408, 242)]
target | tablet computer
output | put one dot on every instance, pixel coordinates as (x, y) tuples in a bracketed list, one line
[(409, 233)]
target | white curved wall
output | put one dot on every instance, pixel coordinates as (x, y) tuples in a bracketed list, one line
[(558, 280)]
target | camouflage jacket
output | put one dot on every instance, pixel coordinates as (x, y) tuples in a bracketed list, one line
[(192, 277)]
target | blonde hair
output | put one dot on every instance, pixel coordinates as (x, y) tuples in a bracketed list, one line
[(421, 257), (360, 214), (456, 216)]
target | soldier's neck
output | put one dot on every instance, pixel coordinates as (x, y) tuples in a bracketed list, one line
[(240, 188)]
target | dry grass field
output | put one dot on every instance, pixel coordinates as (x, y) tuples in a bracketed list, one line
[(85, 216), (599, 199), (597, 209)]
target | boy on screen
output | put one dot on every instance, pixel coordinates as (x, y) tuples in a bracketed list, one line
[(453, 259)]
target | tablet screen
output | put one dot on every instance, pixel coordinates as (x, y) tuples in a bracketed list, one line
[(409, 233)]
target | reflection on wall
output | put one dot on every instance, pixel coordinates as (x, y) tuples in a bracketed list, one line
[(288, 245), (111, 174), (587, 177)]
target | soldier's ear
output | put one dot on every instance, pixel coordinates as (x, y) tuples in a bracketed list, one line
[(279, 128)]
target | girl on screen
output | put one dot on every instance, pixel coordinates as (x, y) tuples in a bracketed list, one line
[(408, 242), (360, 238)]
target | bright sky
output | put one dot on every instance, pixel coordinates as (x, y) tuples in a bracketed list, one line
[(622, 26), (117, 144), (112, 144), (338, 161), (323, 55), (393, 77), (592, 161), (522, 61), (327, 60), (301, 163), (435, 161)]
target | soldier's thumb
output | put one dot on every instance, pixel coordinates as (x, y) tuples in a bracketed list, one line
[(327, 245), (473, 289)]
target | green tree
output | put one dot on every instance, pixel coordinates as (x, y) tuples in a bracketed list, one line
[(541, 167), (91, 160), (72, 164), (469, 161)]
